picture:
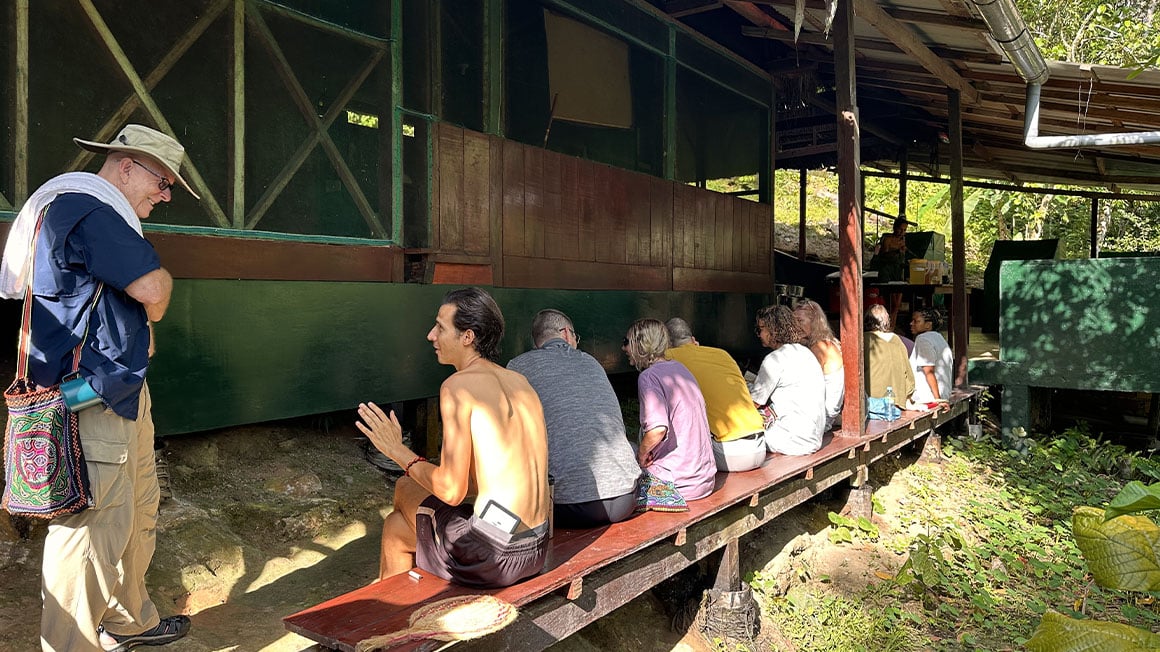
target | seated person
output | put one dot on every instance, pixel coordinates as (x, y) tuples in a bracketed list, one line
[(589, 457), (886, 362), (790, 388), (675, 444), (820, 340), (738, 436), (931, 359), (495, 452)]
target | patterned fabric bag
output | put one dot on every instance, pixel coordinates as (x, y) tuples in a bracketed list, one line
[(658, 495), (44, 465)]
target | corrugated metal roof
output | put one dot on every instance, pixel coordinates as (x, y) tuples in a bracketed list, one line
[(901, 101)]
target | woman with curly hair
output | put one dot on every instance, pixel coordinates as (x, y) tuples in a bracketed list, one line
[(931, 358), (790, 389), (675, 444), (820, 340)]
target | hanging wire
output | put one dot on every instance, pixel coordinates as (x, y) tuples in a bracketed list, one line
[(1083, 107)]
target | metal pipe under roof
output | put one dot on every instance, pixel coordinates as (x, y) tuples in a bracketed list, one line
[(1010, 32)]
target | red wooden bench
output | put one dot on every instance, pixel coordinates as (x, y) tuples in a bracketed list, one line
[(589, 573)]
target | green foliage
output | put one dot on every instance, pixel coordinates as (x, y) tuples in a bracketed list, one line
[(846, 529), (1094, 31), (818, 621), (1135, 497), (1058, 633), (1121, 551), (989, 551)]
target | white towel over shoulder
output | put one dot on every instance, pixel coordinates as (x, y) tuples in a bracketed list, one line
[(14, 267)]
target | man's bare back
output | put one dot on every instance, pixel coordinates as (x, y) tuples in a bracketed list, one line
[(495, 450), (508, 441)]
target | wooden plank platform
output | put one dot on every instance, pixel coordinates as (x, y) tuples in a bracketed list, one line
[(591, 572)]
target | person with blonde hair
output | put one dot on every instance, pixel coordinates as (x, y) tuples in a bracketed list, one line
[(675, 444), (790, 389), (820, 340)]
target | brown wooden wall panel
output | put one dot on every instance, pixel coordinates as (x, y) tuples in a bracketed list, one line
[(553, 228), (764, 218), (533, 200), (586, 239), (661, 221), (602, 237), (496, 199), (205, 257), (569, 217), (513, 200), (523, 272), (737, 237), (476, 204), (450, 198), (495, 203), (711, 280), (640, 208), (461, 274)]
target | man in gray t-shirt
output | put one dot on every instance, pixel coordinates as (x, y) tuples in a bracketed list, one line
[(589, 457)]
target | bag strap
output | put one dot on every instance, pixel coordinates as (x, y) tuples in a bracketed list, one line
[(26, 316)]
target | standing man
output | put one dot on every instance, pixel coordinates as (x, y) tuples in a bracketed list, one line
[(736, 426), (495, 453), (93, 580), (589, 457)]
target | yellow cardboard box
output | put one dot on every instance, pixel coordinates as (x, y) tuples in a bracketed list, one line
[(918, 271)]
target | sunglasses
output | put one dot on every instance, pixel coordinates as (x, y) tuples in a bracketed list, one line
[(163, 184)]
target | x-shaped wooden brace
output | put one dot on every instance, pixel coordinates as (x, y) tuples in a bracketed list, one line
[(319, 135)]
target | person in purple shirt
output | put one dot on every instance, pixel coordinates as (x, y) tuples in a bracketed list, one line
[(675, 443)]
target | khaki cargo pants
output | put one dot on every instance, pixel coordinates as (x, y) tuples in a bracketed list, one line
[(95, 561)]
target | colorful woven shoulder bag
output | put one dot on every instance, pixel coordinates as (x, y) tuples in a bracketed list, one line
[(43, 461)]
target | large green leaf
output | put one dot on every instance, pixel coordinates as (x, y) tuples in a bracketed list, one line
[(1058, 633), (1121, 552), (1134, 497)]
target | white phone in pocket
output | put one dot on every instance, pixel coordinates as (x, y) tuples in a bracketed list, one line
[(499, 516)]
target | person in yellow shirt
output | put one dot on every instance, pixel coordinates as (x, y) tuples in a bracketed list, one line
[(736, 426)]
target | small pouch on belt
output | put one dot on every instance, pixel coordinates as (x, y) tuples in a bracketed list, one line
[(78, 393)]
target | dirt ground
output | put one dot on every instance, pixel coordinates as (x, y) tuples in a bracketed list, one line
[(267, 520)]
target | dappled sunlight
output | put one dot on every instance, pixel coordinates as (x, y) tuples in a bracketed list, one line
[(304, 557)]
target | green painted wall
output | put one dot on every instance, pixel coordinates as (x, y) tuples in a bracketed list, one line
[(235, 352), (1074, 324), (1082, 324)]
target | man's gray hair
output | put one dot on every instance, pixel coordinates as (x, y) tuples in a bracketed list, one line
[(679, 331), (547, 324)]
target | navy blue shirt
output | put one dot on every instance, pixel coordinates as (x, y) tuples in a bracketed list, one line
[(83, 242)]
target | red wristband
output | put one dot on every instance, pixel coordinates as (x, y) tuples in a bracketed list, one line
[(407, 470)]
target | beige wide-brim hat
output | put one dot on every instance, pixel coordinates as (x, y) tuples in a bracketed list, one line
[(138, 139)]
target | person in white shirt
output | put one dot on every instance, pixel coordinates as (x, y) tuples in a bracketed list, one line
[(931, 358), (790, 389)]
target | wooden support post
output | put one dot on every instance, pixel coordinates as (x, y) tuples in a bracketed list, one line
[(932, 448), (849, 222), (860, 501), (802, 214), (729, 571), (20, 108), (960, 327), (903, 163), (237, 202)]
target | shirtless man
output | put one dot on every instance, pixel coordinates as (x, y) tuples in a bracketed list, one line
[(479, 517)]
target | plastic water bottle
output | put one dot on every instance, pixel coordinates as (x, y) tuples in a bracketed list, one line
[(890, 402)]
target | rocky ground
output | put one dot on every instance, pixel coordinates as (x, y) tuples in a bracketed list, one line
[(269, 519)]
